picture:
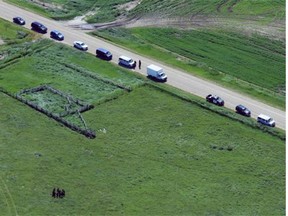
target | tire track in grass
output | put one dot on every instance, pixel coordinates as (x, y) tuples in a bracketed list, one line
[(8, 198)]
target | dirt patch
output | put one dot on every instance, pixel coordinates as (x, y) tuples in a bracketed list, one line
[(80, 22)]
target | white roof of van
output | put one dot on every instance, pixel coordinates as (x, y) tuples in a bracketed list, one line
[(264, 116), (125, 58), (154, 67)]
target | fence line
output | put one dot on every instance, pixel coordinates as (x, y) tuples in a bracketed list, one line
[(89, 133)]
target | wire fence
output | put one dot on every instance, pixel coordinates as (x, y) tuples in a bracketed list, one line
[(89, 133)]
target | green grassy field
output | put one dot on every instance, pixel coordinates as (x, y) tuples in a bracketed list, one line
[(268, 8), (251, 64), (155, 153), (110, 10), (12, 34)]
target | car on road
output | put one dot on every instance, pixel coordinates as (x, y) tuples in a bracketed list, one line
[(80, 45), (215, 100), (19, 20), (266, 120), (39, 27), (104, 54), (242, 110), (126, 62), (57, 35)]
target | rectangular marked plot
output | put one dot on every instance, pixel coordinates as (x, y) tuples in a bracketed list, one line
[(51, 102)]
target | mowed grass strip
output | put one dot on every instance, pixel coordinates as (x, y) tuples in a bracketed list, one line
[(154, 155), (254, 65)]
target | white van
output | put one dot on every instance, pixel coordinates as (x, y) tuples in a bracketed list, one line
[(156, 73), (266, 120), (126, 62)]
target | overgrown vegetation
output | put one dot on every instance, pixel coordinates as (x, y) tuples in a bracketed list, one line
[(254, 65)]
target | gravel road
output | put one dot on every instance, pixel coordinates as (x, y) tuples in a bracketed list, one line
[(176, 77)]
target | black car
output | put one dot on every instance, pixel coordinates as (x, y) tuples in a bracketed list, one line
[(215, 100), (56, 35), (243, 110), (19, 20), (36, 26)]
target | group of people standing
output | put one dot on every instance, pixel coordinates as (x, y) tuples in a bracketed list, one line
[(58, 193)]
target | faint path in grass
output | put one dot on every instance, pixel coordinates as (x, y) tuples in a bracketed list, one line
[(8, 197)]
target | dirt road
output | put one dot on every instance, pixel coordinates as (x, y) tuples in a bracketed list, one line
[(176, 77)]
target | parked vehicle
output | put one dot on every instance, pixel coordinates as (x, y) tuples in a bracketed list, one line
[(215, 100), (80, 45), (156, 73), (103, 54), (243, 110), (266, 120), (126, 62), (56, 35), (36, 26), (19, 20)]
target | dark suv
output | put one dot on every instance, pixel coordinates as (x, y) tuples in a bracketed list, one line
[(57, 35), (215, 100), (243, 110), (36, 26), (103, 54)]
